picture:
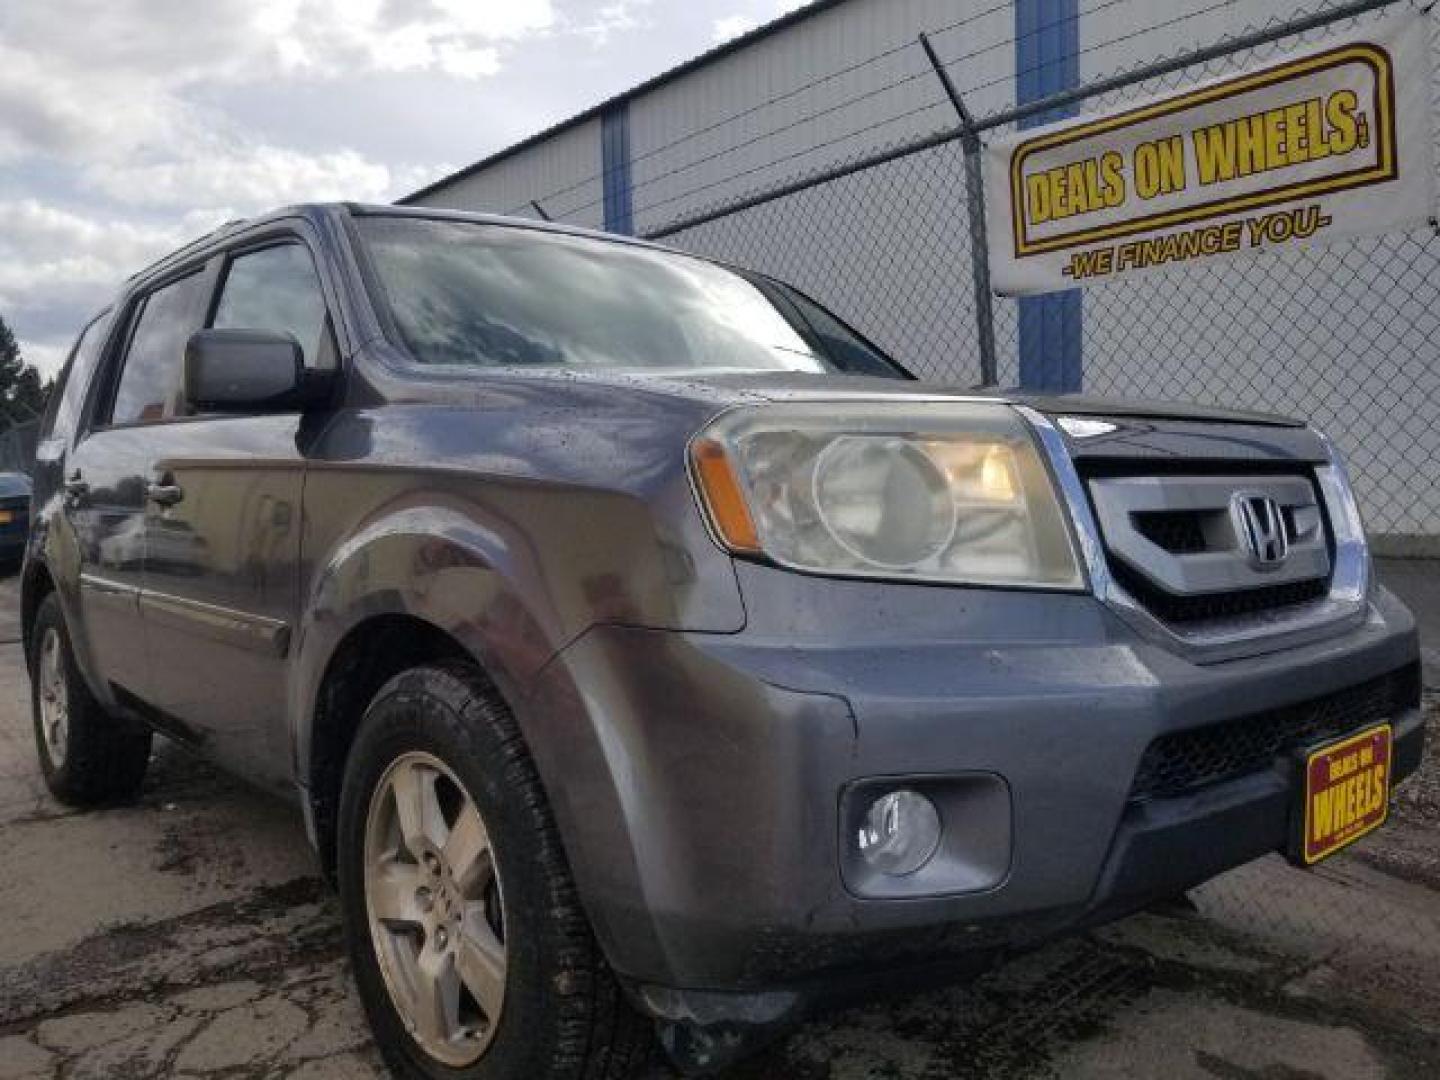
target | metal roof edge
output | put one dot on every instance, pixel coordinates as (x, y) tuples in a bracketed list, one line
[(784, 22)]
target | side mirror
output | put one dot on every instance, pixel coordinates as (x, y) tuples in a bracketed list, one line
[(246, 371)]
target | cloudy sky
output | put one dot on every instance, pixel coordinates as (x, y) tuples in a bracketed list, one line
[(130, 126)]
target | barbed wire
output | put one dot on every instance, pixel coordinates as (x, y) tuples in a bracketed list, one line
[(1100, 46), (1003, 43), (655, 180)]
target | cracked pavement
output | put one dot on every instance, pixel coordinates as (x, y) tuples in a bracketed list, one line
[(187, 936)]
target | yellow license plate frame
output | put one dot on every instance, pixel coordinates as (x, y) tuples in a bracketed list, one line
[(1346, 787)]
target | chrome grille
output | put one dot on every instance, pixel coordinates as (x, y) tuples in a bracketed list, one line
[(1211, 640), (1177, 544)]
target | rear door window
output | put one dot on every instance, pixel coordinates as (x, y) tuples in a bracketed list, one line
[(149, 387)]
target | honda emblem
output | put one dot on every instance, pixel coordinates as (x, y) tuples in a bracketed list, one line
[(1260, 528)]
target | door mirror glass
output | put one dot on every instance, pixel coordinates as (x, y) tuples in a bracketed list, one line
[(244, 371)]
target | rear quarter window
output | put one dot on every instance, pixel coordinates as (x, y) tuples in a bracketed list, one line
[(68, 398)]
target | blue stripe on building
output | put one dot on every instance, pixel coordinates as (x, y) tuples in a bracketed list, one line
[(1047, 61), (615, 168)]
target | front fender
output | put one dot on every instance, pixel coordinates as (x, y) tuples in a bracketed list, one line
[(432, 563), (512, 570), (513, 527)]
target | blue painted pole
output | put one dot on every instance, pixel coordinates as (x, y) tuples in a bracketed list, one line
[(615, 169), (1047, 61)]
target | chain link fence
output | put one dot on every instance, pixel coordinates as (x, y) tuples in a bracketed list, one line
[(899, 268), (1346, 335)]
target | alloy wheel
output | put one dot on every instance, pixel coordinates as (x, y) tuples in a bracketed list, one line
[(433, 897), (54, 698)]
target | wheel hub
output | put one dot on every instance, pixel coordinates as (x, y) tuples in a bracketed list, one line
[(54, 698), (435, 911)]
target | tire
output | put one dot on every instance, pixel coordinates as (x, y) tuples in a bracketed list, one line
[(87, 755), (561, 1014)]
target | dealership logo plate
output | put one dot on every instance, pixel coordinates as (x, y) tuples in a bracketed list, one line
[(1347, 792)]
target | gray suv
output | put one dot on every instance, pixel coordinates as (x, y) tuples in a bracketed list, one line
[(647, 652)]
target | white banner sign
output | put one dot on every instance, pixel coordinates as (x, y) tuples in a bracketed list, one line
[(1331, 141)]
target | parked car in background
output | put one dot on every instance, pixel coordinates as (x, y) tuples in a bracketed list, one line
[(647, 651), (14, 517)]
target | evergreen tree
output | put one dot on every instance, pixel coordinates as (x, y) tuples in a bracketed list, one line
[(22, 391)]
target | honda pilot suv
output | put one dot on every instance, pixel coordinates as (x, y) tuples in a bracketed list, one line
[(647, 652)]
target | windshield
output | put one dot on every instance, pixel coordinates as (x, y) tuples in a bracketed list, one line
[(481, 295)]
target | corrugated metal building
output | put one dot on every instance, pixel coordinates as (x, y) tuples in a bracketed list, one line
[(833, 78), (843, 78)]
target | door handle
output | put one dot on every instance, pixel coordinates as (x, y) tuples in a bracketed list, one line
[(76, 489), (164, 494)]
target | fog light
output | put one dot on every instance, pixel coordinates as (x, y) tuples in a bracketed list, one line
[(900, 833)]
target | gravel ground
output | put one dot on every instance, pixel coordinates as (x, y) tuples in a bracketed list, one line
[(186, 936)]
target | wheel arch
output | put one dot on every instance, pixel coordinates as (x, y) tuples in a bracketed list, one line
[(424, 584), (36, 583), (371, 653)]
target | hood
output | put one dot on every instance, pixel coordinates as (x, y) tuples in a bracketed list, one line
[(569, 387), (799, 387)]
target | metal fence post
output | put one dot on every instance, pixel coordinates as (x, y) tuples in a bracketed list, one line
[(975, 205)]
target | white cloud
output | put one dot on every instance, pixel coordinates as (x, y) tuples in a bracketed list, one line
[(58, 266), (47, 253), (128, 127), (103, 91), (456, 37), (244, 175), (732, 26), (182, 41), (742, 22), (612, 18), (57, 107), (110, 77), (114, 107)]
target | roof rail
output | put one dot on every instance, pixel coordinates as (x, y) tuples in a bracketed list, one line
[(200, 241)]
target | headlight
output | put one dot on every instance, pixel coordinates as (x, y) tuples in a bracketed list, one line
[(952, 492)]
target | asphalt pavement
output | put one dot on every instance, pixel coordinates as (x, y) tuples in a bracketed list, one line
[(188, 936)]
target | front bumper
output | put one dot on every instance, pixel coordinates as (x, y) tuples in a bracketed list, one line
[(698, 779)]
